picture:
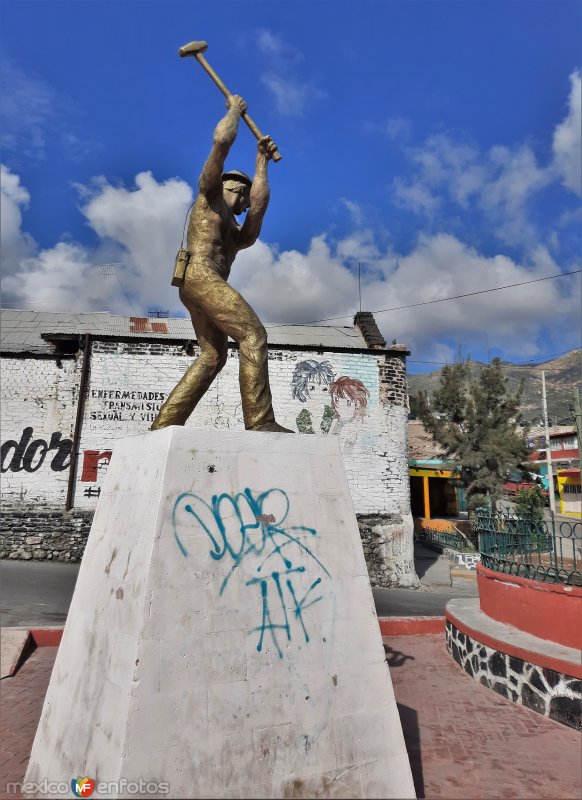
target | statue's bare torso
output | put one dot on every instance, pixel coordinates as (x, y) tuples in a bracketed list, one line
[(213, 235)]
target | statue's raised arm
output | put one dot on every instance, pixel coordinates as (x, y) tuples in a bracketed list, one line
[(259, 194), (224, 135)]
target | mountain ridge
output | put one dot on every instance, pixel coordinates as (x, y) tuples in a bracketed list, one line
[(563, 374)]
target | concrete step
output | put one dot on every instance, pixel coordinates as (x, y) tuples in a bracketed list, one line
[(462, 573), (14, 642)]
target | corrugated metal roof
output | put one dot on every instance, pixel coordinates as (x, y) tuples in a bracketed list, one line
[(22, 331)]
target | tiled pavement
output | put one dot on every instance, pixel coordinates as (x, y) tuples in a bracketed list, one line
[(464, 740), (21, 699)]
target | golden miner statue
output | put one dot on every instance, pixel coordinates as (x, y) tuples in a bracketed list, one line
[(213, 240)]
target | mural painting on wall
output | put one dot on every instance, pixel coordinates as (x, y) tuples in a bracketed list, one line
[(30, 454), (247, 534), (338, 404)]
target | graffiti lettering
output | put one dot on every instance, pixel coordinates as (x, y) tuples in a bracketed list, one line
[(29, 456), (92, 491), (91, 464), (239, 529), (468, 560)]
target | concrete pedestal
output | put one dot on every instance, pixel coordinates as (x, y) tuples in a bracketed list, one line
[(222, 639)]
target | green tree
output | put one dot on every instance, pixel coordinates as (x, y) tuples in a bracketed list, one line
[(476, 423), (413, 403)]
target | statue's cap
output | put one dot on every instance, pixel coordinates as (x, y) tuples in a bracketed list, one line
[(235, 175)]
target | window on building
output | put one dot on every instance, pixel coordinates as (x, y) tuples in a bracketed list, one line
[(569, 443)]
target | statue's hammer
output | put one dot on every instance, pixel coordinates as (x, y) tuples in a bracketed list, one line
[(196, 49)]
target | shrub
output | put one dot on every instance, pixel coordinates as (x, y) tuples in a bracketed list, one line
[(529, 504), (478, 500), (529, 509)]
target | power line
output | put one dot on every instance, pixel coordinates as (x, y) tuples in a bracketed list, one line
[(444, 299), (533, 363), (107, 270), (17, 306), (378, 311), (518, 365)]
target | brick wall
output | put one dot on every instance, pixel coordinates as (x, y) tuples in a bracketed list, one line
[(128, 381), (39, 398)]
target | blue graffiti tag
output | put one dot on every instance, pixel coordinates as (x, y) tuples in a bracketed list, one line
[(239, 529)]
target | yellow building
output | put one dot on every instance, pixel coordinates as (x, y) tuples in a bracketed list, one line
[(570, 491), (434, 491)]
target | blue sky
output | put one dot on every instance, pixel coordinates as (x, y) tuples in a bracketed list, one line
[(435, 143)]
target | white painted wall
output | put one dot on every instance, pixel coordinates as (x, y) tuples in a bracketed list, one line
[(38, 410), (129, 381), (127, 388)]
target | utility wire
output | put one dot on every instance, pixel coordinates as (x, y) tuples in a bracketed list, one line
[(518, 365), (445, 299), (394, 308), (113, 269)]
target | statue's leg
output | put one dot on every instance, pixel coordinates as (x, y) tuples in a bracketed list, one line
[(233, 316), (192, 386)]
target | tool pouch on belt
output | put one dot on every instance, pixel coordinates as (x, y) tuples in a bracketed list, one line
[(182, 258)]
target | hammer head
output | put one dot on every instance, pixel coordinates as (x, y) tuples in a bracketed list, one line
[(193, 49)]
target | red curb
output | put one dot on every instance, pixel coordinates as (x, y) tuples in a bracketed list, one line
[(548, 611), (538, 586), (46, 637), (389, 626), (539, 659), (410, 626)]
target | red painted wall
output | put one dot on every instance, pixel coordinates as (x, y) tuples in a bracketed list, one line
[(557, 455), (546, 610)]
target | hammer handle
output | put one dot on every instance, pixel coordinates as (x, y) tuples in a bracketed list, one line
[(253, 127)]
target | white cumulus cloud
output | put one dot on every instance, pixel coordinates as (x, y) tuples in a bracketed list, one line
[(291, 96), (443, 266), (500, 183), (139, 226), (16, 244), (292, 287), (139, 229), (567, 142), (291, 91), (33, 116), (398, 127)]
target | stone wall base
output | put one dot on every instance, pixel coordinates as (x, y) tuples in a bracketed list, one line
[(553, 694), (388, 549), (44, 533), (51, 534)]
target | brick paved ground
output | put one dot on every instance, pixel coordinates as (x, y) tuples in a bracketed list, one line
[(464, 740), (21, 699)]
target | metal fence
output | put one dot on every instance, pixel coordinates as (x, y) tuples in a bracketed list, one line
[(452, 540), (542, 550)]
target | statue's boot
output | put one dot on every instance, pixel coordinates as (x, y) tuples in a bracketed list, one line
[(271, 427)]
